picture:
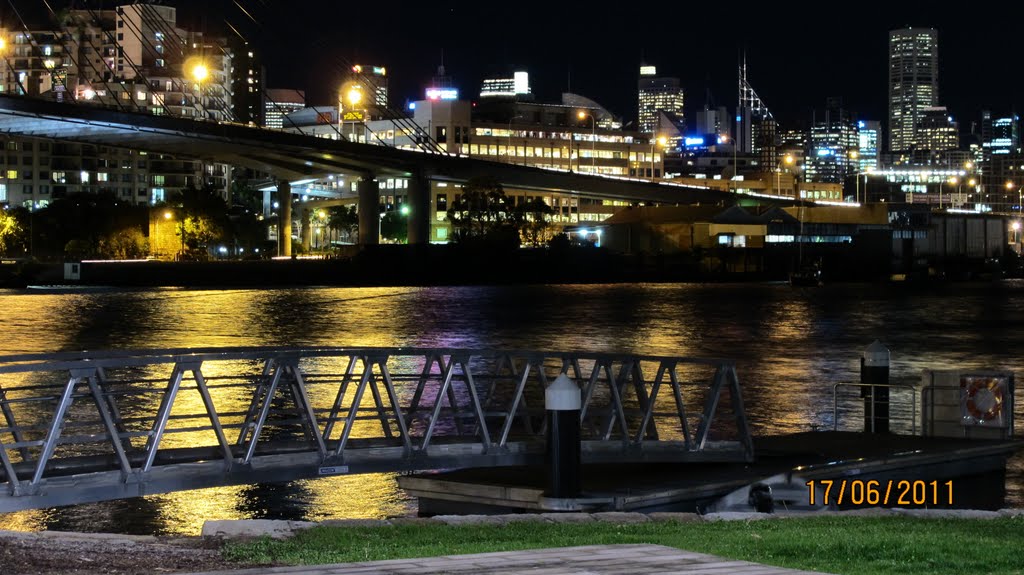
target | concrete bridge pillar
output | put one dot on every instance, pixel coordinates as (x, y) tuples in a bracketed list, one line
[(306, 230), (369, 211), (419, 209), (284, 218)]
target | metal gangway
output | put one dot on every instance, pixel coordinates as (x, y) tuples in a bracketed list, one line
[(91, 426)]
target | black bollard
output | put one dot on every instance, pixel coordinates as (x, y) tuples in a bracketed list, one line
[(562, 401), (874, 370)]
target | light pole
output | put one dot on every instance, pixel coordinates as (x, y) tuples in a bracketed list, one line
[(200, 72), (788, 160), (593, 139), (352, 94), (660, 141), (1020, 194), (509, 145), (168, 215)]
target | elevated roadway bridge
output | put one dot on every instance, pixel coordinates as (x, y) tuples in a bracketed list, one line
[(289, 157)]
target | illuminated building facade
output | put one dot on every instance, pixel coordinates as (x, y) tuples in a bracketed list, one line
[(869, 134), (247, 84), (657, 94), (913, 84), (937, 131), (374, 81), (133, 58), (279, 103), (517, 86), (832, 143)]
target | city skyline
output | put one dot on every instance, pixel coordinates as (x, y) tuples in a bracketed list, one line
[(796, 57), (794, 63)]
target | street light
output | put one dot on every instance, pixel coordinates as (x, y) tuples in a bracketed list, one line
[(199, 72), (1020, 194), (508, 146), (660, 141), (351, 94), (169, 215), (788, 160), (593, 139)]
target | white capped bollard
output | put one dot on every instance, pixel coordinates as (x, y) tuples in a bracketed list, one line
[(874, 370), (563, 401)]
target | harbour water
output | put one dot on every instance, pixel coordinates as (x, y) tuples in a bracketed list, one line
[(791, 347)]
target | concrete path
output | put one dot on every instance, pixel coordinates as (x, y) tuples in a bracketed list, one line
[(590, 560)]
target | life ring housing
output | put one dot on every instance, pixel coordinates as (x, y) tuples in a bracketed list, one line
[(984, 398)]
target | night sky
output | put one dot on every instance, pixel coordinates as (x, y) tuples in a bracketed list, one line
[(798, 53)]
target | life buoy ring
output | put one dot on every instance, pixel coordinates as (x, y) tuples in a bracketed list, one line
[(984, 398)]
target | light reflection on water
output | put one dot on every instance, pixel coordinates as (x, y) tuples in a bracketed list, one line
[(791, 346)]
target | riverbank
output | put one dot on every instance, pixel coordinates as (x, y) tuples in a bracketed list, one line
[(432, 265), (855, 542)]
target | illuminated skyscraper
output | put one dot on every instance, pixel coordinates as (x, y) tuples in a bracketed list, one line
[(657, 95), (913, 84), (373, 79), (868, 133)]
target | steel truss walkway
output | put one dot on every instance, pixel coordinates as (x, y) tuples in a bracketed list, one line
[(80, 427)]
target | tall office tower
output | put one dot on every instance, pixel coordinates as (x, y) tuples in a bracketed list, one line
[(937, 132), (714, 121), (374, 80), (999, 135), (868, 134), (280, 103), (516, 86), (657, 95), (913, 83), (833, 138), (755, 125)]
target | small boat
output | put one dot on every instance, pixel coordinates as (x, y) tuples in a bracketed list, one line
[(782, 492), (807, 276)]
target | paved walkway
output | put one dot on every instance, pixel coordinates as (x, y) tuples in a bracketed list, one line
[(590, 560)]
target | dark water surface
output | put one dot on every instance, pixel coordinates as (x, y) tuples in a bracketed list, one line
[(790, 345)]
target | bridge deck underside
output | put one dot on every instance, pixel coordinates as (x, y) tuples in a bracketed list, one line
[(76, 429), (296, 156)]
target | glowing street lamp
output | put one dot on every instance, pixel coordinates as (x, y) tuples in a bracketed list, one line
[(200, 72), (593, 139), (788, 160)]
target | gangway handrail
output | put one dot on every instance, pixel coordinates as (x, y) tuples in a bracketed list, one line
[(92, 425), (913, 401)]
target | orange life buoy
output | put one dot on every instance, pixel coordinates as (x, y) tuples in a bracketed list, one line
[(984, 398)]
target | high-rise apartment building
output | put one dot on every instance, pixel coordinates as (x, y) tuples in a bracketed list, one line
[(657, 94), (913, 84), (134, 58), (247, 84)]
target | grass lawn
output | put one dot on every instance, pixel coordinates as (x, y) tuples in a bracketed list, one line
[(847, 545)]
